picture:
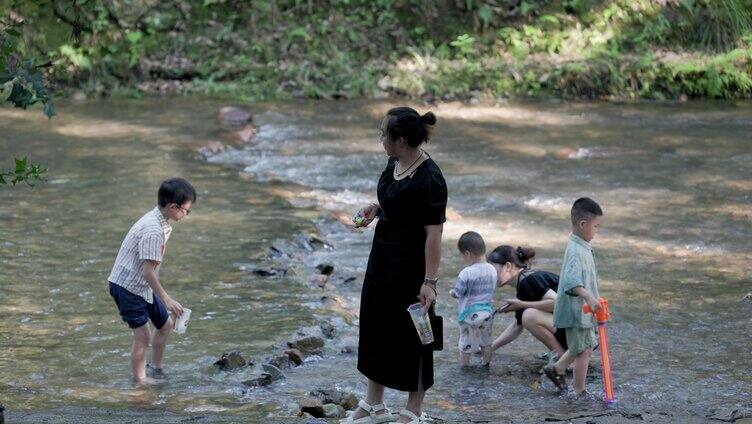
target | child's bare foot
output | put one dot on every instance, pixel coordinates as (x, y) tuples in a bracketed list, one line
[(146, 382), (560, 380)]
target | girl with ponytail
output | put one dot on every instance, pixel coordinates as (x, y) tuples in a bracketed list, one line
[(534, 304)]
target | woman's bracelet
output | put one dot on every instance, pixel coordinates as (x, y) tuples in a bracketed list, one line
[(431, 282)]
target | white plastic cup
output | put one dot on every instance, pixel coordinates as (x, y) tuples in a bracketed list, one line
[(422, 323), (182, 321)]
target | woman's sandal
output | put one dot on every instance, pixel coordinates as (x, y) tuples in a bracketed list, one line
[(414, 419), (373, 416)]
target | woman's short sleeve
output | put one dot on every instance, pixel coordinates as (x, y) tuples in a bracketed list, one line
[(435, 192)]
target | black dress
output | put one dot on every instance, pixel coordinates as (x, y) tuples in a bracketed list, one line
[(532, 286), (389, 349)]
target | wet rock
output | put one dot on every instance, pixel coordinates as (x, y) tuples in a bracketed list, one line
[(319, 243), (275, 373), (332, 410), (730, 414), (282, 362), (264, 379), (233, 118), (325, 269), (310, 345), (747, 297), (231, 361), (327, 329), (270, 271), (295, 356), (242, 136), (346, 400), (349, 349), (211, 149), (312, 406), (320, 280)]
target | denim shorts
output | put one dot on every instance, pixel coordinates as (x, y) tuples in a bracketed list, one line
[(136, 311)]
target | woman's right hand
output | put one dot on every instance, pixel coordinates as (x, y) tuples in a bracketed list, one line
[(368, 214)]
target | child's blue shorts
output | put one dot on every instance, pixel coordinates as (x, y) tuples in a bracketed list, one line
[(135, 311)]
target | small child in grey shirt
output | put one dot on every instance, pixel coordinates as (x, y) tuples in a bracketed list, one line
[(474, 293)]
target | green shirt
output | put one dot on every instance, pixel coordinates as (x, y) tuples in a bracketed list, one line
[(577, 270)]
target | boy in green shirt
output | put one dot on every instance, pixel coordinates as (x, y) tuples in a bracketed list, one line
[(578, 284)]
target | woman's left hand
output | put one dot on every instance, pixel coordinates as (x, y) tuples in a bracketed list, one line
[(427, 297)]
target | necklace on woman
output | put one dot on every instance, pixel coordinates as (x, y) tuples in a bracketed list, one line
[(399, 174)]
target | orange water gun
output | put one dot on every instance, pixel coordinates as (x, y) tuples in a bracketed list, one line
[(603, 316)]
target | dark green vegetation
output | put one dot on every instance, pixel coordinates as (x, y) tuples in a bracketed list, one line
[(613, 49)]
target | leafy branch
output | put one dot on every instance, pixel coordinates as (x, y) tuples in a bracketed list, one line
[(25, 85)]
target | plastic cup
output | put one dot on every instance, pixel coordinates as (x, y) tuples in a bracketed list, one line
[(182, 322), (422, 323)]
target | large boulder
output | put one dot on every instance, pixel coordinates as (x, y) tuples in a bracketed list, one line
[(310, 345), (261, 380), (231, 360), (347, 400), (313, 406), (233, 118)]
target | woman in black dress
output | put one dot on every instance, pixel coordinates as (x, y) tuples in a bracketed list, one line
[(402, 269), (536, 295)]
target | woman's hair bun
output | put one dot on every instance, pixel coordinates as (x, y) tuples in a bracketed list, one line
[(524, 254), (428, 118)]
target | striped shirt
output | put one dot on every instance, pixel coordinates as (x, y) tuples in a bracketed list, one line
[(146, 240)]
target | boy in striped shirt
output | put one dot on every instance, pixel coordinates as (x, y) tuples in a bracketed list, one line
[(134, 281)]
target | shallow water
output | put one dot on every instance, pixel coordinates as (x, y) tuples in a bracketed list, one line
[(673, 252)]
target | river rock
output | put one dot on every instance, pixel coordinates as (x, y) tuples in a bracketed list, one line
[(231, 361), (332, 410), (730, 414), (327, 329), (312, 406), (233, 118), (264, 379), (273, 371), (211, 149), (347, 400), (325, 269), (747, 297), (295, 356), (310, 345), (270, 271), (242, 136), (320, 280), (282, 362)]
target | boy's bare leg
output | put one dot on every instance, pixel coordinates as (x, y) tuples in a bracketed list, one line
[(541, 325), (486, 352), (159, 341), (374, 396), (564, 361), (580, 370), (464, 359), (138, 353)]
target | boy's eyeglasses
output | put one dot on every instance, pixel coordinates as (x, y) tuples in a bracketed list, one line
[(187, 211)]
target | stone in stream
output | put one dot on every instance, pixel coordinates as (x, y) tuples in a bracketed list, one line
[(320, 280), (347, 400), (231, 360), (313, 406), (282, 362), (211, 149), (295, 356), (310, 345), (325, 268), (273, 371), (332, 410), (327, 329), (747, 297), (270, 271), (233, 118), (264, 379), (242, 136)]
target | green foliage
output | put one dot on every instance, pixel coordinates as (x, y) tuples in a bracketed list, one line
[(20, 78), (348, 48), (23, 173)]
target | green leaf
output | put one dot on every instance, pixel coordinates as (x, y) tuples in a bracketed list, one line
[(20, 165), (49, 109), (12, 32)]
